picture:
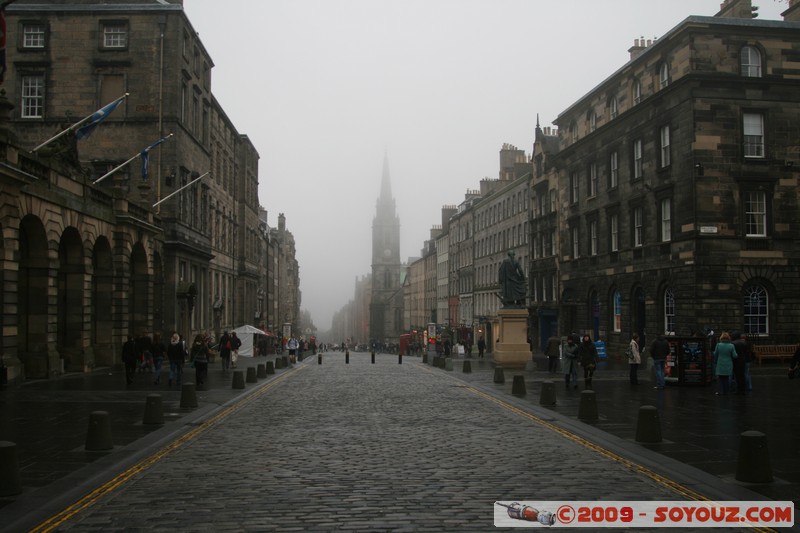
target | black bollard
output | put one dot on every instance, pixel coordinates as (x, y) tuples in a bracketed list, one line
[(466, 368), (518, 386), (270, 367), (319, 359), (753, 464), (238, 379), (373, 357), (347, 357), (548, 394), (10, 483), (261, 371), (188, 396), (499, 377), (98, 436), (648, 425), (400, 359), (153, 410), (587, 409), (251, 375)]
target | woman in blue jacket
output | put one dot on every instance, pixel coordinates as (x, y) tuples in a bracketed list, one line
[(724, 354)]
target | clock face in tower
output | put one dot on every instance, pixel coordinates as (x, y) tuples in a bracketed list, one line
[(387, 253)]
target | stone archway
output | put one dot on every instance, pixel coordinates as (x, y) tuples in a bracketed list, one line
[(102, 327), (139, 292), (32, 307), (71, 306)]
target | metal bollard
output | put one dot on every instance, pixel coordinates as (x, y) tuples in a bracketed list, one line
[(238, 379), (347, 357), (400, 359), (499, 377), (373, 357), (448, 363), (548, 394), (153, 410), (98, 436), (270, 367), (587, 409), (251, 375), (466, 368), (188, 396), (648, 425), (261, 371), (753, 464), (10, 482), (319, 359), (518, 386)]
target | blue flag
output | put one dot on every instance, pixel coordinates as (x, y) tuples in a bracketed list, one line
[(96, 118), (145, 155)]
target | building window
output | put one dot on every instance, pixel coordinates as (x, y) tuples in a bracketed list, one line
[(33, 36), (554, 286), (115, 35), (593, 238), (666, 220), (614, 232), (753, 135), (669, 312), (638, 161), (617, 305), (750, 62), (613, 109), (613, 170), (552, 201), (665, 154), (663, 75), (755, 210), (552, 242), (592, 121), (32, 96), (638, 227), (576, 242), (573, 189), (592, 180), (756, 310), (637, 92)]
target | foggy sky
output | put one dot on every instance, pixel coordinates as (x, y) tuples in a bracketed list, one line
[(325, 88)]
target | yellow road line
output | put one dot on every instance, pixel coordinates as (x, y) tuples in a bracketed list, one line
[(107, 488)]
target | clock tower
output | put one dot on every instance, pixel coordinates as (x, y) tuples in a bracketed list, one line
[(386, 315)]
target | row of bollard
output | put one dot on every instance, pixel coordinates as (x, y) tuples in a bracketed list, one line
[(753, 464), (98, 434)]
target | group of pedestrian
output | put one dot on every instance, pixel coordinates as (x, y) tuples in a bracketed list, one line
[(229, 344), (578, 351), (732, 357)]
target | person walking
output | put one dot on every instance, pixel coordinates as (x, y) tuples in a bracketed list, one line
[(198, 354), (292, 345), (553, 352), (236, 343), (130, 357), (159, 352), (587, 353), (724, 354), (634, 359), (176, 353), (658, 351), (481, 347), (225, 347), (742, 353), (571, 363)]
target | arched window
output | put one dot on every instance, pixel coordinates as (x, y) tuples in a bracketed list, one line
[(756, 310), (669, 311), (613, 109), (663, 75), (750, 62), (592, 119)]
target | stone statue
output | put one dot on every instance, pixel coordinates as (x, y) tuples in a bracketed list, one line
[(512, 283)]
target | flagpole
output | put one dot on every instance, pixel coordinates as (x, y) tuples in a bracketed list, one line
[(76, 125), (182, 188), (128, 162)]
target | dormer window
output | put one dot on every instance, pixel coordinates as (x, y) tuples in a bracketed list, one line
[(750, 62)]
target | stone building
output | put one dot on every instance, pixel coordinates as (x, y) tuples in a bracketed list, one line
[(671, 202), (158, 262)]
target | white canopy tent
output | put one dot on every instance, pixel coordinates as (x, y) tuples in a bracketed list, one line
[(247, 335)]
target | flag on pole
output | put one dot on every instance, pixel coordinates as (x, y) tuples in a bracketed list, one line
[(145, 155), (96, 118)]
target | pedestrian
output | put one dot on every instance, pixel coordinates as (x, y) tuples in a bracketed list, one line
[(481, 347), (144, 351), (225, 347), (587, 353), (724, 354), (236, 343), (742, 348), (571, 363), (553, 352), (659, 351), (634, 359), (292, 345), (130, 356), (198, 354), (176, 353), (159, 352)]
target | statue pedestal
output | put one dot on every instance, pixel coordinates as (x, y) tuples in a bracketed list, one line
[(512, 349)]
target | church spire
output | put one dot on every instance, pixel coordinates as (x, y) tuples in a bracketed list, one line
[(386, 184)]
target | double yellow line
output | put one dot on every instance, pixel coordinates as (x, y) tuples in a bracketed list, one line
[(104, 490)]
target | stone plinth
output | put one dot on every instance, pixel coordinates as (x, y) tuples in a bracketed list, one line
[(512, 349)]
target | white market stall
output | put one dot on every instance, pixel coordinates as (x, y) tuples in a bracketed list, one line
[(247, 335)]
